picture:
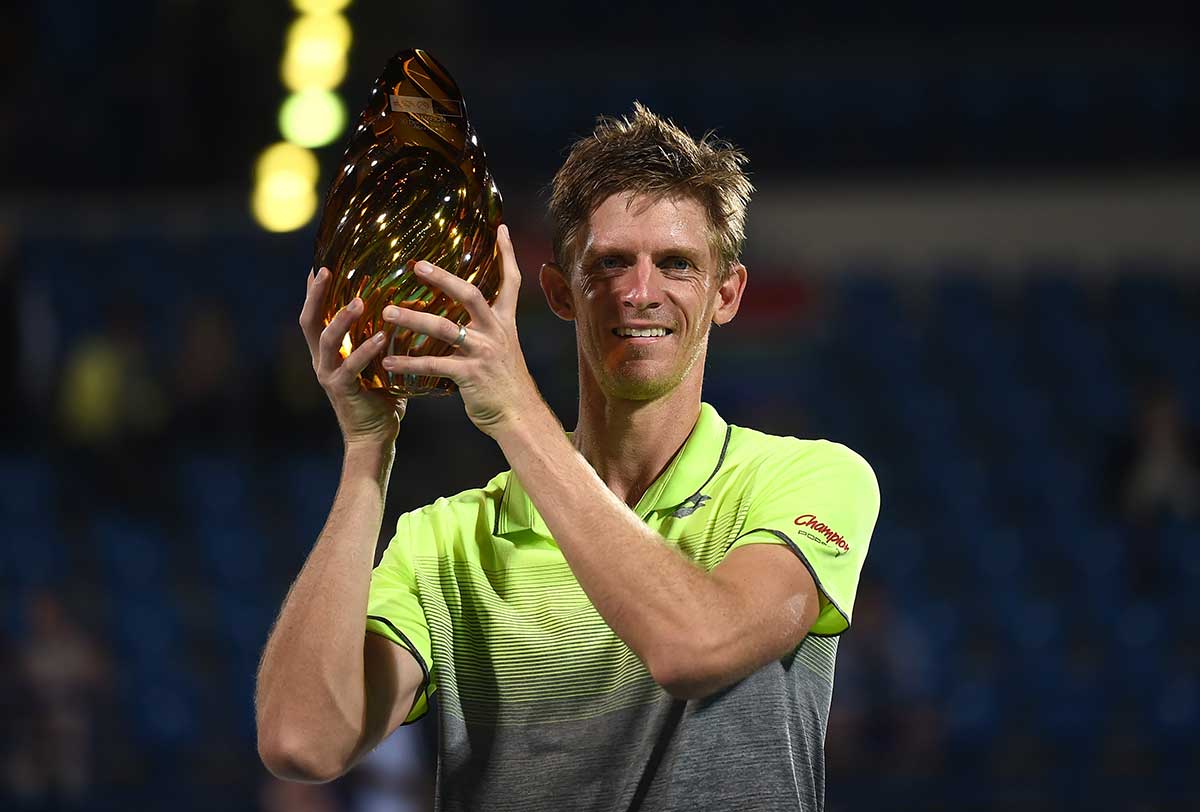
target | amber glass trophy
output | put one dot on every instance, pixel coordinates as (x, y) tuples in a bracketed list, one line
[(413, 186)]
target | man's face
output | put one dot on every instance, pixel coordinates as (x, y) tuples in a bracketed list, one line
[(645, 265)]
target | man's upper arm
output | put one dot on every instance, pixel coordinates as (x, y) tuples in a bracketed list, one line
[(794, 568), (392, 679), (776, 597), (396, 618), (821, 504)]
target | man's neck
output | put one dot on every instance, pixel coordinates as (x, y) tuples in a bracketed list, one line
[(630, 443)]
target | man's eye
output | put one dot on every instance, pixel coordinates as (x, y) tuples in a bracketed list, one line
[(678, 264), (608, 263)]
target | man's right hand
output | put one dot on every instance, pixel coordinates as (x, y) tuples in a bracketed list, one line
[(366, 416)]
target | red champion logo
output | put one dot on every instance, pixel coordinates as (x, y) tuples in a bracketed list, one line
[(832, 537)]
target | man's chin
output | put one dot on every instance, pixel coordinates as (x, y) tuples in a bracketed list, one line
[(633, 387)]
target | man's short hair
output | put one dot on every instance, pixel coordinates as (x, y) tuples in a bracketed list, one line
[(647, 155)]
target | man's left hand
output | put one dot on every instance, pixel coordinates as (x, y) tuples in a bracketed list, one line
[(489, 367)]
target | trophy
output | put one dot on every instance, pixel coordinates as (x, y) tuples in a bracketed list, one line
[(413, 186)]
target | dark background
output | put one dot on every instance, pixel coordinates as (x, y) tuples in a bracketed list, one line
[(974, 258)]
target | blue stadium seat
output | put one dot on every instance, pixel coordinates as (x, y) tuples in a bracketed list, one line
[(32, 553), (1179, 549), (215, 485), (1174, 708), (974, 712), (1015, 413), (133, 553), (147, 629), (28, 491), (308, 484), (237, 689), (235, 551), (1053, 292), (243, 625), (898, 556), (163, 705), (930, 417), (243, 621), (60, 266), (998, 566), (1071, 714), (1034, 628), (1100, 573), (1141, 637), (1069, 351), (1146, 301), (946, 627)]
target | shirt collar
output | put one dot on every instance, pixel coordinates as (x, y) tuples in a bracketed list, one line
[(678, 488)]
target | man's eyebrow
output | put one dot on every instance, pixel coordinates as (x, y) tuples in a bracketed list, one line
[(596, 251)]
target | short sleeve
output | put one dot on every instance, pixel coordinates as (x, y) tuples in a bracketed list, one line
[(821, 501), (394, 610)]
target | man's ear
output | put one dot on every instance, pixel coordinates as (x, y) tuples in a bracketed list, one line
[(730, 295), (557, 289)]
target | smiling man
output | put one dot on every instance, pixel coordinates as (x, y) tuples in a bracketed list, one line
[(642, 613)]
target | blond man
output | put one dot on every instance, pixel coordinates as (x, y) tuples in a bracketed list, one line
[(640, 614)]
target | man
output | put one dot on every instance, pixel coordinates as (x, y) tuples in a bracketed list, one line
[(641, 614)]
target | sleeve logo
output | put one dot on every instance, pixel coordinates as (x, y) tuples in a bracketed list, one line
[(822, 532)]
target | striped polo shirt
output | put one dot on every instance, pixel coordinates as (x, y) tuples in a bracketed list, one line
[(542, 707)]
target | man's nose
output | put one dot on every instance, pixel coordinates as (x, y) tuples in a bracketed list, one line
[(643, 286)]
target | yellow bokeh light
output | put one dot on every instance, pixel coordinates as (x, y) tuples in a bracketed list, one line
[(325, 31), (314, 62), (312, 69), (283, 157), (312, 118), (283, 202), (319, 6), (285, 195), (315, 57)]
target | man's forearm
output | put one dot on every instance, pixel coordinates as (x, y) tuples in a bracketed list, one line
[(310, 695), (657, 600)]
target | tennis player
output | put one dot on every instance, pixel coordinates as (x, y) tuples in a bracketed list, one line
[(642, 613)]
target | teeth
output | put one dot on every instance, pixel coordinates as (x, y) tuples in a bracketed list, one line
[(651, 331)]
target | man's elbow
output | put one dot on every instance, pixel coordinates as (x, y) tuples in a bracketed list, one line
[(294, 758), (684, 674), (685, 686), (698, 671)]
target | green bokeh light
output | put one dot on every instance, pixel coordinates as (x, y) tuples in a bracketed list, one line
[(312, 118)]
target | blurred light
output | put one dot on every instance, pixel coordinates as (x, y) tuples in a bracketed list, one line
[(283, 201), (315, 56), (284, 157), (285, 196), (314, 62), (319, 6), (307, 69), (312, 118), (327, 31)]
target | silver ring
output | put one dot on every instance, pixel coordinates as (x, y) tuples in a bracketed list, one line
[(462, 337)]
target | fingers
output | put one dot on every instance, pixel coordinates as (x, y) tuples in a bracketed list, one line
[(462, 291), (310, 314), (427, 324), (510, 279), (362, 355), (458, 289), (432, 365), (329, 359)]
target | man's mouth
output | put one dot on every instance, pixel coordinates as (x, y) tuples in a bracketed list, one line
[(647, 333)]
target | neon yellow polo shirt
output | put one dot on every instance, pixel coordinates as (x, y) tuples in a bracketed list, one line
[(541, 705)]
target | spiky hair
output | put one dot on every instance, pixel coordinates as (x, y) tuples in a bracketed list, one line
[(645, 154)]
